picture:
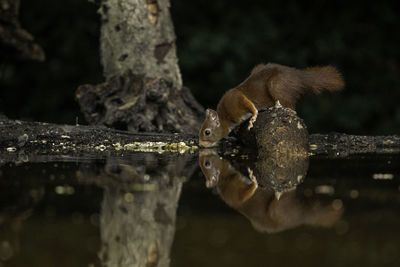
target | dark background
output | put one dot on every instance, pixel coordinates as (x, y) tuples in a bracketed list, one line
[(218, 43)]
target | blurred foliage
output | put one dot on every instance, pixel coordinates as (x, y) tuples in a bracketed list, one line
[(218, 43), (68, 33)]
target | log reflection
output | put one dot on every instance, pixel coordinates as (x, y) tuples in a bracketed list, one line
[(266, 193)]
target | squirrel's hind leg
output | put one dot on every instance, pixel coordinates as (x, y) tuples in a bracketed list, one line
[(252, 109), (252, 120)]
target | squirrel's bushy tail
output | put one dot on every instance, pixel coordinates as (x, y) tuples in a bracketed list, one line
[(322, 78)]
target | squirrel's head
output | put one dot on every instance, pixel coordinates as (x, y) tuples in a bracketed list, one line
[(210, 162), (211, 131)]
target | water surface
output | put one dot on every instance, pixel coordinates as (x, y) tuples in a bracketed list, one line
[(148, 209)]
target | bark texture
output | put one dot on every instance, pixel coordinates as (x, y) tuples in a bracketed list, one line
[(340, 145), (277, 130), (282, 143), (138, 35), (25, 141), (15, 42), (139, 104), (143, 90)]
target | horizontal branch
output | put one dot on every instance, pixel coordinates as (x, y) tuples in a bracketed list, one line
[(33, 139), (20, 139), (342, 145)]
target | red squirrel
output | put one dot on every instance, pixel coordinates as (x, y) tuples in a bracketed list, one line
[(232, 185), (267, 84), (267, 211)]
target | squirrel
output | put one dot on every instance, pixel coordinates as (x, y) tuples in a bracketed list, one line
[(234, 187), (266, 85), (267, 211)]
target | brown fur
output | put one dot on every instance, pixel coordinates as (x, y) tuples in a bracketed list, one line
[(230, 183), (259, 205), (271, 82), (266, 85)]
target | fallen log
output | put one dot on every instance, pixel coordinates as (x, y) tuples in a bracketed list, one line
[(21, 140), (280, 130)]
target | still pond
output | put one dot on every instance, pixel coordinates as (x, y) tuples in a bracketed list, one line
[(150, 209)]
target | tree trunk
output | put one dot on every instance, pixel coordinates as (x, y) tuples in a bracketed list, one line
[(138, 35), (143, 90)]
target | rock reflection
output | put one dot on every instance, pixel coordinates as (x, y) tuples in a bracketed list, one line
[(265, 192), (138, 213)]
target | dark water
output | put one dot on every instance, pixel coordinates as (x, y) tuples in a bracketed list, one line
[(150, 209)]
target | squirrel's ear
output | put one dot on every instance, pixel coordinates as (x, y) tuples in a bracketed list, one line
[(213, 115)]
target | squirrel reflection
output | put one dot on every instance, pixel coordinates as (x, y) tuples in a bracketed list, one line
[(267, 211)]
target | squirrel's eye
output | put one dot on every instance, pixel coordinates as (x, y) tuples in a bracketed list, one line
[(207, 164), (207, 132)]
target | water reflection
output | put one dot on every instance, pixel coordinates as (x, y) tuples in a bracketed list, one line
[(136, 218), (138, 212), (266, 194), (123, 211), (15, 208)]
